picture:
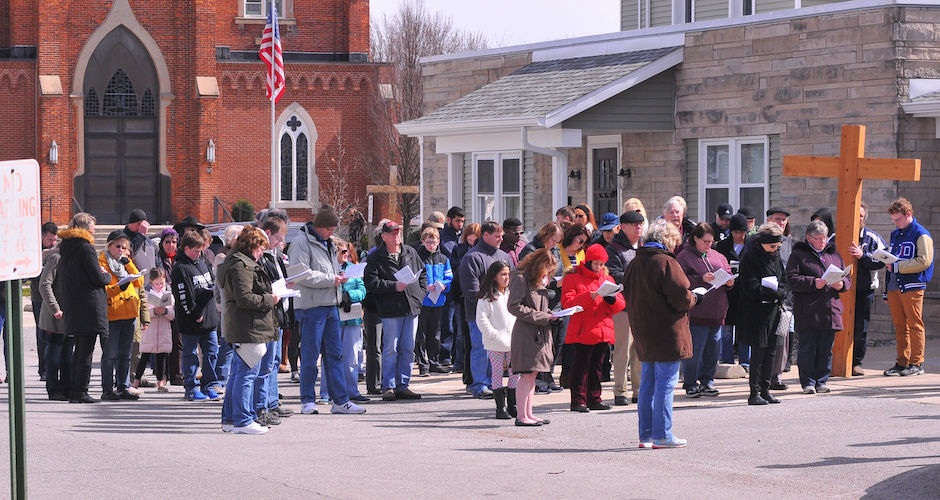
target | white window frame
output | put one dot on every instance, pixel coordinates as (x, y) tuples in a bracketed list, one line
[(734, 184), (497, 157), (308, 126), (600, 142), (285, 11)]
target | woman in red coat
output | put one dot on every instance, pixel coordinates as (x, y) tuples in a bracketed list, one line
[(591, 331)]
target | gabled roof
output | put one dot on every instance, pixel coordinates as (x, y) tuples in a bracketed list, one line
[(545, 93)]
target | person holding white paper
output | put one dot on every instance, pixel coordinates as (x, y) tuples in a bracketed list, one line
[(354, 292), (817, 309), (397, 305), (700, 262), (866, 282), (440, 276), (759, 308), (249, 324)]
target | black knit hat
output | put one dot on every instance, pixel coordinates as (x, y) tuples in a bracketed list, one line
[(738, 222), (117, 234), (136, 215), (326, 217)]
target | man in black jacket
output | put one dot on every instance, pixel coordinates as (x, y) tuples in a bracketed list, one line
[(84, 304), (197, 317), (398, 304), (620, 252)]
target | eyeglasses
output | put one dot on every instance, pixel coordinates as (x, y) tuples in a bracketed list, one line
[(343, 252), (120, 247), (518, 233), (580, 216), (580, 241)]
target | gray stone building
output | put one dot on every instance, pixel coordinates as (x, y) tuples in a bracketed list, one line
[(703, 103)]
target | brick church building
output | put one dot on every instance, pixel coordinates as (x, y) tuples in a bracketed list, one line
[(160, 105)]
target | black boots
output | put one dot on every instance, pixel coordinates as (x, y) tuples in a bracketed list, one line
[(499, 395), (765, 394), (511, 401), (755, 398)]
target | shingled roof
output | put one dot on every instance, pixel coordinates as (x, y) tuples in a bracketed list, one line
[(540, 88)]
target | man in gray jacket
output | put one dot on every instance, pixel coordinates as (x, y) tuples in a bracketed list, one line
[(317, 314), (52, 321)]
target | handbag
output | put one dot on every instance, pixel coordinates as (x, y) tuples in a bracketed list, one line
[(783, 323)]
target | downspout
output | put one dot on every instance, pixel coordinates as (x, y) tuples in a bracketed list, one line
[(559, 169), (420, 178)]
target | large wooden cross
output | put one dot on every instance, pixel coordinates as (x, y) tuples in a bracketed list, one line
[(850, 168), (393, 189)]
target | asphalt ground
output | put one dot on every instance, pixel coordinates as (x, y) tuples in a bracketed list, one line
[(872, 437)]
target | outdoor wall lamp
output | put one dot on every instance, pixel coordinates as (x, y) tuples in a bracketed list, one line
[(574, 174), (625, 172), (210, 152), (54, 153)]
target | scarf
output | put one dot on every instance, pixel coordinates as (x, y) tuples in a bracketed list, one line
[(115, 266), (566, 261)]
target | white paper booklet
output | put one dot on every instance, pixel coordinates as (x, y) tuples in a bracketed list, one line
[(834, 274), (251, 354), (881, 255), (435, 294), (280, 289), (128, 278), (406, 276), (355, 312), (355, 270), (721, 277), (159, 299), (769, 282), (302, 275), (567, 312), (609, 288)]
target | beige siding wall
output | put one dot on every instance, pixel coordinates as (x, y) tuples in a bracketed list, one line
[(660, 13), (762, 6), (629, 17), (711, 9)]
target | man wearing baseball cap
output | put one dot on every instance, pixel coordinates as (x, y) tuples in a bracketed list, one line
[(722, 218)]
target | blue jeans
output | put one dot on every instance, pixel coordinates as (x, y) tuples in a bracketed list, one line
[(654, 403), (398, 351), (223, 363), (237, 408), (352, 346), (479, 363), (116, 355), (273, 398), (267, 369), (700, 368), (815, 356), (727, 344), (210, 353), (319, 331)]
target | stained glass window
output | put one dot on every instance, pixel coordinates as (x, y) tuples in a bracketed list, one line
[(287, 167), (92, 107), (147, 104), (119, 99), (295, 160)]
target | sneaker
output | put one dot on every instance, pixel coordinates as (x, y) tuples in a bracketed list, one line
[(253, 428), (135, 391), (196, 395), (809, 390), (708, 391), (268, 419), (693, 392), (295, 377), (212, 395), (857, 371), (324, 400), (219, 390), (894, 371), (672, 442), (484, 394), (360, 398), (389, 395), (822, 389), (348, 407), (281, 411), (646, 444), (228, 427), (406, 393), (309, 409), (598, 406), (543, 390), (623, 401), (110, 396), (555, 388), (912, 370)]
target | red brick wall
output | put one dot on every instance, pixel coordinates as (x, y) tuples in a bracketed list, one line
[(4, 23), (24, 22), (18, 109)]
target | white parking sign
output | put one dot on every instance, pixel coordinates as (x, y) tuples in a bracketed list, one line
[(20, 220)]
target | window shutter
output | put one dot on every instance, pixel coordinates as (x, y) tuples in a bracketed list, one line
[(468, 185), (775, 172), (528, 191)]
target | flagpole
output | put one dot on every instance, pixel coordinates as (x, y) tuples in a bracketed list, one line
[(273, 103)]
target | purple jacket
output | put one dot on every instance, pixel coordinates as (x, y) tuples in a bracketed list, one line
[(815, 309), (712, 309)]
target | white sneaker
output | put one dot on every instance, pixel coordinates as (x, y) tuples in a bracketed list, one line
[(809, 390), (133, 390), (348, 407), (646, 445), (252, 428), (228, 427), (309, 408)]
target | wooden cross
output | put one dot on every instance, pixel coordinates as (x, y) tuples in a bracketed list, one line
[(850, 167), (393, 189)]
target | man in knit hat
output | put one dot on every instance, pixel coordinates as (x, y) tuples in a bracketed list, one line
[(316, 312)]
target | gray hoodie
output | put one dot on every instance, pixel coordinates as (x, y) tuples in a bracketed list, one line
[(318, 290)]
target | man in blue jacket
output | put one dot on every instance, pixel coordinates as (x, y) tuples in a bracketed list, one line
[(905, 283)]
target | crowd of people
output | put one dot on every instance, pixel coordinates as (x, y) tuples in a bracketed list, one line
[(646, 298)]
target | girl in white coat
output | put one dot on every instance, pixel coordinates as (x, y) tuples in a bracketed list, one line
[(495, 323), (156, 339)]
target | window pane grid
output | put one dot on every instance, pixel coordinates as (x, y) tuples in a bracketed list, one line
[(745, 163)]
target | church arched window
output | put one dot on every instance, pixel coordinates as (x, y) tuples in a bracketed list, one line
[(294, 165), (119, 99), (92, 107)]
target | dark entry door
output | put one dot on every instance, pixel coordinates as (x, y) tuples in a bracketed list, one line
[(120, 167), (604, 178)]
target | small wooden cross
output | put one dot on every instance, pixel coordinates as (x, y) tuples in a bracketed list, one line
[(850, 167), (393, 189)]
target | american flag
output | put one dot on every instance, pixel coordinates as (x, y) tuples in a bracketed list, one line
[(271, 42)]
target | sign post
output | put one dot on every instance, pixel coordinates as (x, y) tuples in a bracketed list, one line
[(20, 257)]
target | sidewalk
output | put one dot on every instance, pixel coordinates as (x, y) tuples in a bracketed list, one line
[(873, 436)]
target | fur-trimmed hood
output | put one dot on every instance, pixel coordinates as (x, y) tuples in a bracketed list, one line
[(77, 233)]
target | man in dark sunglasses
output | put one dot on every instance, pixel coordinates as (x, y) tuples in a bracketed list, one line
[(512, 239)]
